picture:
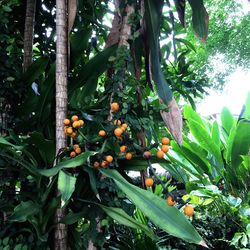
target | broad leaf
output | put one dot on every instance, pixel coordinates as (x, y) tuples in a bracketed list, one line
[(246, 113), (66, 185), (227, 120), (215, 133), (123, 218), (169, 219)]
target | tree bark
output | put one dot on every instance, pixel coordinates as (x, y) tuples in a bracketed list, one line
[(61, 236), (28, 33)]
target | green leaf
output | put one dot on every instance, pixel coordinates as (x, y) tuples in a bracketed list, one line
[(236, 239), (202, 136), (92, 179), (189, 113), (71, 163), (199, 19), (246, 114), (66, 185), (123, 218), (187, 43), (169, 219), (4, 142), (241, 142), (215, 133), (72, 218), (153, 13), (24, 211), (227, 120)]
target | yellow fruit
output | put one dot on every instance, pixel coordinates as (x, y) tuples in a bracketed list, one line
[(165, 141), (96, 164), (102, 133), (69, 131), (170, 201), (147, 154), (75, 146), (72, 154), (104, 164), (76, 124), (118, 132), (189, 210), (164, 148), (149, 182), (81, 122), (128, 156), (123, 149), (109, 158), (74, 118), (117, 122), (66, 121), (125, 125), (78, 150), (114, 106), (160, 154)]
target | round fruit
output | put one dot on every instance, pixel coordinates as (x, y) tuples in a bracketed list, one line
[(69, 131), (170, 201), (104, 164), (118, 132), (102, 133), (125, 125), (149, 182), (117, 122), (109, 158), (147, 154), (81, 122), (160, 154), (164, 148), (76, 146), (165, 141), (73, 154), (123, 149), (73, 135), (76, 124), (96, 164), (66, 121), (74, 118), (189, 210), (78, 150), (128, 156), (114, 106)]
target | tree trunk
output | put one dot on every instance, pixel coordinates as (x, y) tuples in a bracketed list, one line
[(28, 33), (61, 236)]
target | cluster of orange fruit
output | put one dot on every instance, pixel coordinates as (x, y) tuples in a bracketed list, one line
[(104, 163), (76, 151), (164, 148), (70, 126)]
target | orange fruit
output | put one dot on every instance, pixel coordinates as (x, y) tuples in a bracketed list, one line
[(160, 154), (75, 146), (123, 149), (109, 158), (96, 164), (165, 141), (66, 121), (104, 164), (164, 148), (102, 133), (73, 154), (125, 125), (69, 131), (122, 128), (76, 124), (149, 182), (74, 118), (81, 122), (118, 132), (73, 135), (170, 201), (147, 154), (114, 106), (78, 150), (117, 122), (128, 156), (65, 129), (189, 210)]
